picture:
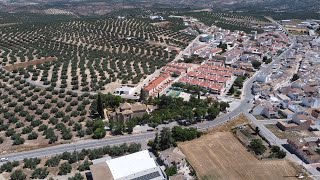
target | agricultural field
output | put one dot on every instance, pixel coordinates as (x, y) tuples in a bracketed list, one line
[(33, 117), (88, 54), (222, 156), (219, 155), (231, 21)]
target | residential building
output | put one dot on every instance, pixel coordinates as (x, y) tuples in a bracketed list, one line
[(315, 113), (173, 156), (125, 90), (158, 84), (284, 100), (298, 122), (311, 102), (305, 150)]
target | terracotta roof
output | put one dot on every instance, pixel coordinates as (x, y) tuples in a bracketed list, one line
[(138, 107), (125, 106), (155, 83)]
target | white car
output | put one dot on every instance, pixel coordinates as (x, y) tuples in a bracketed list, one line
[(4, 159)]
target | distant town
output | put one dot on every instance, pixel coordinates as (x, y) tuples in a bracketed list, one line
[(190, 94)]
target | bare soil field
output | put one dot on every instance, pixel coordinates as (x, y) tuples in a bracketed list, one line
[(287, 134), (29, 63), (219, 155), (222, 156)]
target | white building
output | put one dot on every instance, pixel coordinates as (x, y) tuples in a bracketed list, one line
[(139, 165), (311, 102), (126, 90)]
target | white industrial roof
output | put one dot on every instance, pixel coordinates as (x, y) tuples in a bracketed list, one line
[(131, 164), (124, 88)]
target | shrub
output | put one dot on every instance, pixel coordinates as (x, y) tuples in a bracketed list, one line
[(42, 127), (27, 129), (6, 167), (32, 136), (19, 125), (31, 163), (81, 133), (64, 168), (36, 123), (18, 175), (40, 173), (53, 162), (45, 116), (85, 166), (30, 118), (17, 139), (99, 133), (66, 134), (256, 145), (10, 132), (170, 171), (77, 176), (46, 106)]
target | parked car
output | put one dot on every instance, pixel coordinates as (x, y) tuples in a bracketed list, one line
[(4, 159)]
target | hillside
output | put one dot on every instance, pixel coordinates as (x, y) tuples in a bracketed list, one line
[(101, 7)]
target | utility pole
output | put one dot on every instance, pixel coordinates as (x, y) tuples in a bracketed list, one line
[(75, 151)]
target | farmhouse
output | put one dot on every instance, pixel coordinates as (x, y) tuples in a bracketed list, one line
[(127, 111), (135, 166)]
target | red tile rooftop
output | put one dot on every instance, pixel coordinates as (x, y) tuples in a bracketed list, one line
[(155, 83), (173, 70), (198, 47), (202, 83), (216, 50)]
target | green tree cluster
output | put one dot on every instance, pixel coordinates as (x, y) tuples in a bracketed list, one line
[(77, 176), (223, 46), (295, 77), (65, 168), (40, 173), (18, 175), (277, 152), (256, 145), (256, 64), (31, 163), (170, 171), (185, 134), (168, 138), (8, 166), (98, 129)]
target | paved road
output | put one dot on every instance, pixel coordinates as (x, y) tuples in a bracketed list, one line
[(90, 144)]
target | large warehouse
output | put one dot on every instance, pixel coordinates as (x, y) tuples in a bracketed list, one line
[(136, 166)]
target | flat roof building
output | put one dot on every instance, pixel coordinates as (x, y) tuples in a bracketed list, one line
[(136, 166)]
